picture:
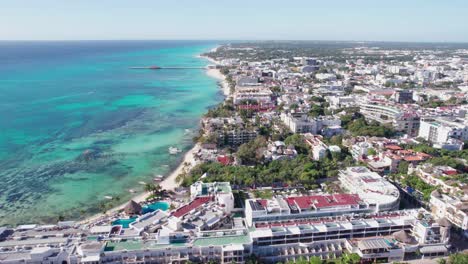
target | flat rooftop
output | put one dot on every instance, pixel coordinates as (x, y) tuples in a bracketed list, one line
[(222, 240), (323, 201), (370, 186), (137, 245), (197, 202)]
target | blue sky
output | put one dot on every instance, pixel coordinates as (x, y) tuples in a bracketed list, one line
[(410, 20)]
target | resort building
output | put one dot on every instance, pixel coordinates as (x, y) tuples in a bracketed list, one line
[(379, 250), (400, 120), (254, 94), (319, 149), (298, 207), (329, 237), (274, 240), (441, 130), (236, 137), (337, 102), (220, 190), (359, 150), (374, 190), (451, 207), (440, 176), (301, 123), (277, 150)]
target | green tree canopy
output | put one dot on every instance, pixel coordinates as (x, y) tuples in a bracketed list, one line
[(298, 142)]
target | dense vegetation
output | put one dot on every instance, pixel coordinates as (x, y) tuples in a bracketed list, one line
[(337, 51), (301, 170), (449, 156), (360, 127), (225, 109), (416, 183), (457, 258)]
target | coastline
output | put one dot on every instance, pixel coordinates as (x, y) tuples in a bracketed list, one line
[(187, 162), (216, 74), (169, 183)]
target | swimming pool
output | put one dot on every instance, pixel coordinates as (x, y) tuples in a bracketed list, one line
[(124, 222), (163, 206)]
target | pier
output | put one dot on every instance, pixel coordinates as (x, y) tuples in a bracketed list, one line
[(168, 68)]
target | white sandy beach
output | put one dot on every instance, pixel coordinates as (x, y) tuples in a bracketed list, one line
[(169, 183), (215, 73)]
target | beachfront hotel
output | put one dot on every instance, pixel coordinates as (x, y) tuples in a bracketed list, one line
[(210, 228), (377, 192)]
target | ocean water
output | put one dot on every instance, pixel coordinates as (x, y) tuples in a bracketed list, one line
[(76, 124)]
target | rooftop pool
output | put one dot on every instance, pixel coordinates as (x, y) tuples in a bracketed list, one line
[(163, 206), (124, 222)]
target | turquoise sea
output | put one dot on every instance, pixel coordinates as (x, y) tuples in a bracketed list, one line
[(76, 124)]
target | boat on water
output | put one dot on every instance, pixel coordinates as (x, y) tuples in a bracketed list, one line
[(131, 191), (158, 178), (108, 197), (142, 182), (174, 150)]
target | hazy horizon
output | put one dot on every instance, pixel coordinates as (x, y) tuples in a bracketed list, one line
[(336, 20), (227, 41)]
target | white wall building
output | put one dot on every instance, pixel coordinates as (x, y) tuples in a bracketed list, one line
[(371, 188), (440, 130)]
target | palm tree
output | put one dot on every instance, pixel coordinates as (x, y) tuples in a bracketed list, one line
[(157, 188), (103, 207), (149, 187)]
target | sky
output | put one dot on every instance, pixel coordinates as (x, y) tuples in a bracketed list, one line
[(360, 20)]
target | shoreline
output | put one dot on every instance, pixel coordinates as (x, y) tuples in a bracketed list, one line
[(216, 74), (187, 162), (169, 183)]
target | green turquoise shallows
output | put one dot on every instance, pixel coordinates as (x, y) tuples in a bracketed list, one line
[(79, 129)]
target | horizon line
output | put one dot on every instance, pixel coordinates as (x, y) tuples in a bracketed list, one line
[(237, 40)]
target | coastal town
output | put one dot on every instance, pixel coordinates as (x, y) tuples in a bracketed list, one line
[(320, 153)]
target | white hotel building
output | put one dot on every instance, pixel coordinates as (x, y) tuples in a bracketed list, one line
[(296, 227), (371, 188), (400, 120), (441, 130), (281, 208)]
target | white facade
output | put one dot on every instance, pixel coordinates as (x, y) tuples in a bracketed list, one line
[(402, 121), (370, 187), (306, 124), (450, 207), (439, 130)]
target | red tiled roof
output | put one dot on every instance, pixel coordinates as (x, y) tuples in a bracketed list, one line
[(197, 202), (263, 202), (225, 160), (393, 147), (422, 154), (450, 172), (321, 201), (414, 158)]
